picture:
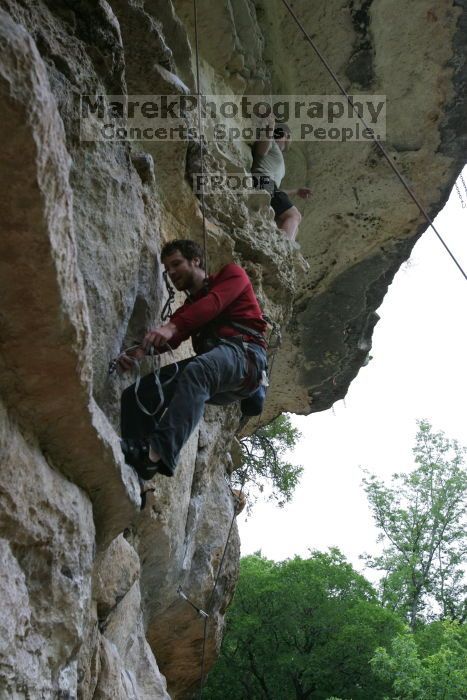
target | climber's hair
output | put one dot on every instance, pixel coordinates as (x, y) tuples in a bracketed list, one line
[(283, 129), (189, 250)]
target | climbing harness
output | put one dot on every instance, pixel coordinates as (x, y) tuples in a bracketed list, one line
[(375, 140), (458, 190)]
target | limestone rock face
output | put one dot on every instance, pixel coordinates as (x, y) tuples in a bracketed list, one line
[(361, 224), (47, 548), (46, 344), (99, 597)]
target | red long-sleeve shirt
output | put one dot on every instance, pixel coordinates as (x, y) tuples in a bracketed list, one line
[(227, 296)]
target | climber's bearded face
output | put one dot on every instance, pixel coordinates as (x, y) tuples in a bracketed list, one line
[(183, 273)]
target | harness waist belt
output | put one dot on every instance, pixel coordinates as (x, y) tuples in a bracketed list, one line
[(246, 330)]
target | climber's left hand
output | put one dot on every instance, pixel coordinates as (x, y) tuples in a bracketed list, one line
[(304, 192)]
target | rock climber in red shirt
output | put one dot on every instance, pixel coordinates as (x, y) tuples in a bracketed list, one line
[(223, 318)]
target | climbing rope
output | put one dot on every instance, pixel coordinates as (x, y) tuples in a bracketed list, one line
[(156, 368), (211, 597), (458, 190), (200, 137), (205, 614), (375, 140), (183, 595), (275, 331)]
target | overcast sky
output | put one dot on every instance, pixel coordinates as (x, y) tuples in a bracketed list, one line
[(418, 370)]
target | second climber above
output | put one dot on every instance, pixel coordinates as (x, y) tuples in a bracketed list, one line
[(268, 171)]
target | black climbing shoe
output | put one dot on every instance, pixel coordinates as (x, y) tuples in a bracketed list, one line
[(134, 450), (162, 467), (136, 454)]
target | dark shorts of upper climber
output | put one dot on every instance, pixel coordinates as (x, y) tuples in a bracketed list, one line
[(280, 201)]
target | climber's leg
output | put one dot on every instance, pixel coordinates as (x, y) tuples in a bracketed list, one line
[(219, 373), (134, 423), (289, 222), (287, 215)]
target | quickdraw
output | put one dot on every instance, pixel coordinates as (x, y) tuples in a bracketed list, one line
[(167, 309), (113, 364)]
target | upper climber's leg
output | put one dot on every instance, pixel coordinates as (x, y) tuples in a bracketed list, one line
[(289, 222)]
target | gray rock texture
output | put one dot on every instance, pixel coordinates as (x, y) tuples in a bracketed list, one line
[(47, 548), (92, 587)]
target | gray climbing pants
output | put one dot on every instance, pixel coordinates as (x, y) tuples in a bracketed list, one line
[(220, 376)]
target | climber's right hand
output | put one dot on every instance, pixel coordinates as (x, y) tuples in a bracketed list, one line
[(265, 126), (126, 360)]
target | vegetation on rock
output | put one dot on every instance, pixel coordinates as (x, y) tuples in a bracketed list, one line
[(265, 468)]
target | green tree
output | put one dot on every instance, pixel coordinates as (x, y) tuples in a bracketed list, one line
[(265, 468), (428, 665), (422, 521), (301, 629)]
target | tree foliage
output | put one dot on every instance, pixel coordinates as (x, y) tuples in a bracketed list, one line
[(302, 628), (265, 468), (428, 665), (421, 516)]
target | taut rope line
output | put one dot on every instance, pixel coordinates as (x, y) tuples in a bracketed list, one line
[(375, 140), (200, 137)]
